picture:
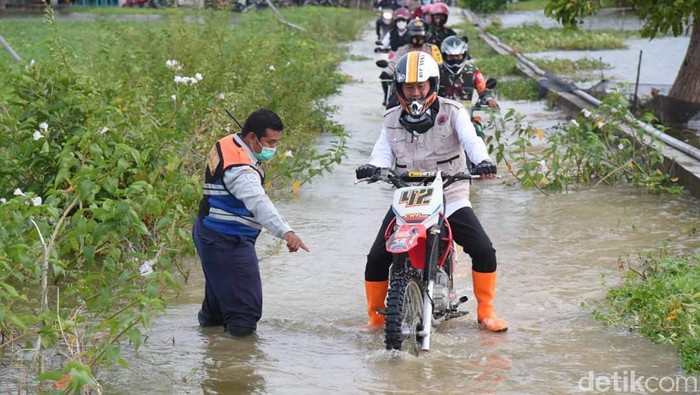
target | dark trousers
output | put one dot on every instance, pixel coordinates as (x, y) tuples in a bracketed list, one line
[(466, 231), (233, 290)]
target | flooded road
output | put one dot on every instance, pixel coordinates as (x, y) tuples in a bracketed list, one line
[(554, 252)]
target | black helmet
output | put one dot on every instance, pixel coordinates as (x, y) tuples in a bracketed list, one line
[(417, 27)]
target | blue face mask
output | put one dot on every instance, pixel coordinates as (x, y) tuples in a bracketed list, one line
[(266, 154)]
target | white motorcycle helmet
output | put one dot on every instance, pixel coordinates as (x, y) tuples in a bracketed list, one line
[(454, 45), (416, 66)]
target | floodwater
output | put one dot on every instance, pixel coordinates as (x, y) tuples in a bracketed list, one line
[(557, 254)]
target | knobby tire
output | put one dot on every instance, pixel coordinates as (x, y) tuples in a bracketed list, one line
[(404, 309)]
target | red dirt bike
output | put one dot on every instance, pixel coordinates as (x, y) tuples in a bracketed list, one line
[(421, 291)]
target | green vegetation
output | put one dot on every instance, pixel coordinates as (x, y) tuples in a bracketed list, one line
[(105, 127), (483, 5), (535, 38), (594, 148), (583, 69), (527, 5), (660, 297)]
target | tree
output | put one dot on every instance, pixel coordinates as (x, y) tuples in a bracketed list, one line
[(659, 17)]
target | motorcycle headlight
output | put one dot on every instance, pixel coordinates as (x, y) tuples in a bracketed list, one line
[(387, 15)]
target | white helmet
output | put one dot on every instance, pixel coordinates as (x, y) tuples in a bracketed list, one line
[(416, 66), (454, 45)]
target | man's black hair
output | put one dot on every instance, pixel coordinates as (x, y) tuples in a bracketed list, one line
[(260, 120)]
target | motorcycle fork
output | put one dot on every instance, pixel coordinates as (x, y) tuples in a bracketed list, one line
[(429, 274)]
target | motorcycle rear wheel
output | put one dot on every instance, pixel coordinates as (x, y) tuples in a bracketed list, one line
[(404, 312)]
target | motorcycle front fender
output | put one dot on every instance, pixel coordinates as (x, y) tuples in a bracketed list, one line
[(409, 239)]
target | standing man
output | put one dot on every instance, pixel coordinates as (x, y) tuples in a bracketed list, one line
[(232, 212), (428, 133)]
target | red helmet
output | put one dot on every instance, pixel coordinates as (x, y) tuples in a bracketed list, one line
[(439, 8), (402, 13), (438, 14)]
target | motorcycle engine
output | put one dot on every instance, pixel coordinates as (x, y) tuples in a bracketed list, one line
[(441, 291)]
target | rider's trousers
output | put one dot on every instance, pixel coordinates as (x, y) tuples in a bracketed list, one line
[(233, 290), (466, 231)]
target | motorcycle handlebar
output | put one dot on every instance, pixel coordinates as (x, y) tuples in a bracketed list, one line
[(422, 177)]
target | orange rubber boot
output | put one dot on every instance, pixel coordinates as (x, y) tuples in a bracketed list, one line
[(376, 294), (485, 290)]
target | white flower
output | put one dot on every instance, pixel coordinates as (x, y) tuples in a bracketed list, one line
[(227, 129), (103, 131), (586, 113), (573, 122), (620, 147), (198, 77), (18, 192), (3, 200), (221, 96), (44, 126), (272, 67), (37, 135), (172, 64), (192, 80), (178, 79), (543, 166), (289, 154), (173, 97), (147, 267), (37, 201), (30, 65)]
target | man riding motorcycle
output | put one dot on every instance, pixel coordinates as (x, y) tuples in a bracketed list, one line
[(416, 32), (427, 133), (459, 78), (396, 38), (438, 31)]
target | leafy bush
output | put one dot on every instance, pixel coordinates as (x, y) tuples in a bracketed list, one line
[(593, 148), (660, 296)]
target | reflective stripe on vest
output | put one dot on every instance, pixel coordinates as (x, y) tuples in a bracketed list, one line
[(220, 210)]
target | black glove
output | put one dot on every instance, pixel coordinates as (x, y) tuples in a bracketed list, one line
[(485, 167), (365, 171), (378, 49), (384, 76)]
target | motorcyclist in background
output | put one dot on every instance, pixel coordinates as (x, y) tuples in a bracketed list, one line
[(459, 78), (398, 35), (396, 38), (438, 31), (383, 5)]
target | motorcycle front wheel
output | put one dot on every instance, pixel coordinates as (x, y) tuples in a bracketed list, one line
[(404, 312)]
